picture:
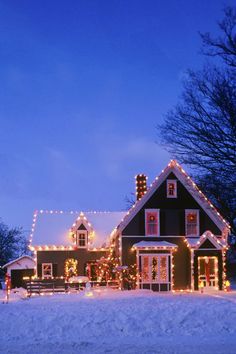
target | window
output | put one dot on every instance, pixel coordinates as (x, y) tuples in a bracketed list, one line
[(155, 268), (192, 222), (81, 238), (47, 270), (152, 222), (171, 188)]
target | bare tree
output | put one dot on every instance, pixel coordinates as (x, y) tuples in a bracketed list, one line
[(201, 130), (223, 46)]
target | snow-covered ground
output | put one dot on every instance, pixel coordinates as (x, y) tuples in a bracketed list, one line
[(119, 322)]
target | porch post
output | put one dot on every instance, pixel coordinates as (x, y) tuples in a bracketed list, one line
[(171, 270), (192, 268), (223, 269), (137, 270)]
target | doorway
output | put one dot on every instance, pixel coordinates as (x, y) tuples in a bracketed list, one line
[(208, 272), (155, 272)]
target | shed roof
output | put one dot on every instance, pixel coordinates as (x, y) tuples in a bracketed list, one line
[(17, 260)]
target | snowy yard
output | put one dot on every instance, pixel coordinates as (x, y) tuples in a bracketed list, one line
[(119, 322)]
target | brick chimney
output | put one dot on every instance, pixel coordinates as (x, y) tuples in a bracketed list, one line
[(141, 185)]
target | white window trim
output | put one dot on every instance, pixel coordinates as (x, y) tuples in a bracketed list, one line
[(158, 221), (186, 213), (84, 232), (174, 181), (47, 276)]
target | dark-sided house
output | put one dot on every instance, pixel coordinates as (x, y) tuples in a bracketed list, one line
[(70, 244), (173, 236)]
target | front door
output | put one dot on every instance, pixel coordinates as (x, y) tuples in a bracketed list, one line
[(208, 272), (154, 273)]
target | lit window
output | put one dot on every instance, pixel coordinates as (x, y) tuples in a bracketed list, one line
[(81, 239), (192, 222), (171, 188), (47, 270), (152, 222)]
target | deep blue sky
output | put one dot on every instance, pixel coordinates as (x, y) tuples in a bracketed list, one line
[(83, 86)]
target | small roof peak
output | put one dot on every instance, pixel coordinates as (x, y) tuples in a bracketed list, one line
[(173, 163)]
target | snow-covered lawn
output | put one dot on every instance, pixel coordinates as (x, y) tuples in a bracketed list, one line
[(120, 322)]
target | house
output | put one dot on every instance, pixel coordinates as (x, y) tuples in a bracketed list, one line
[(71, 243), (172, 238), (18, 269)]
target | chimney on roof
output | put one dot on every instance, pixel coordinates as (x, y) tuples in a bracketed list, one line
[(141, 185)]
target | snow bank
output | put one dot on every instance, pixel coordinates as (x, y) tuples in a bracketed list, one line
[(120, 322)]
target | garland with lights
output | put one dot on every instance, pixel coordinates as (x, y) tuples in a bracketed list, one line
[(71, 265), (107, 267)]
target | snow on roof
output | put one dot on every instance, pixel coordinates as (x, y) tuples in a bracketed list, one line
[(193, 242), (154, 244), (17, 260), (53, 227), (197, 241)]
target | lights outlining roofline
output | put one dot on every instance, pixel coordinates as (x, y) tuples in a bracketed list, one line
[(191, 183), (47, 211), (65, 248)]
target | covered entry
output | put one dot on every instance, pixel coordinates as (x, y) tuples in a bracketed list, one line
[(207, 261), (154, 265)]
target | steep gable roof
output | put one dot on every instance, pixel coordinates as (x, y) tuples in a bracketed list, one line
[(191, 187)]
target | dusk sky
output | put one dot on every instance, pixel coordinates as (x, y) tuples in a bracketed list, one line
[(83, 86)]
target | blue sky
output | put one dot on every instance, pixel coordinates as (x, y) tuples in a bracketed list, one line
[(83, 86)]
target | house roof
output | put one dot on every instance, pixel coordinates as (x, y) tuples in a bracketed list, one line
[(196, 242), (154, 245), (17, 260), (192, 188), (53, 227)]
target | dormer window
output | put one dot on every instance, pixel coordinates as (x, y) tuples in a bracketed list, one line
[(171, 188), (192, 222), (81, 238), (152, 222)]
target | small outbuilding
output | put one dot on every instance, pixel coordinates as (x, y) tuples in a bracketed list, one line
[(19, 268)]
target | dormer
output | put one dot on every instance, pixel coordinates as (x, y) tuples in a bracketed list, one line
[(81, 239), (81, 232)]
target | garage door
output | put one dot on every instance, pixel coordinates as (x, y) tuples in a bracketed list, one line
[(17, 276)]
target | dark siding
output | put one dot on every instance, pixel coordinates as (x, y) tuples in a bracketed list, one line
[(171, 222), (58, 258), (182, 275), (82, 227), (54, 270), (207, 244), (39, 269), (172, 215)]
